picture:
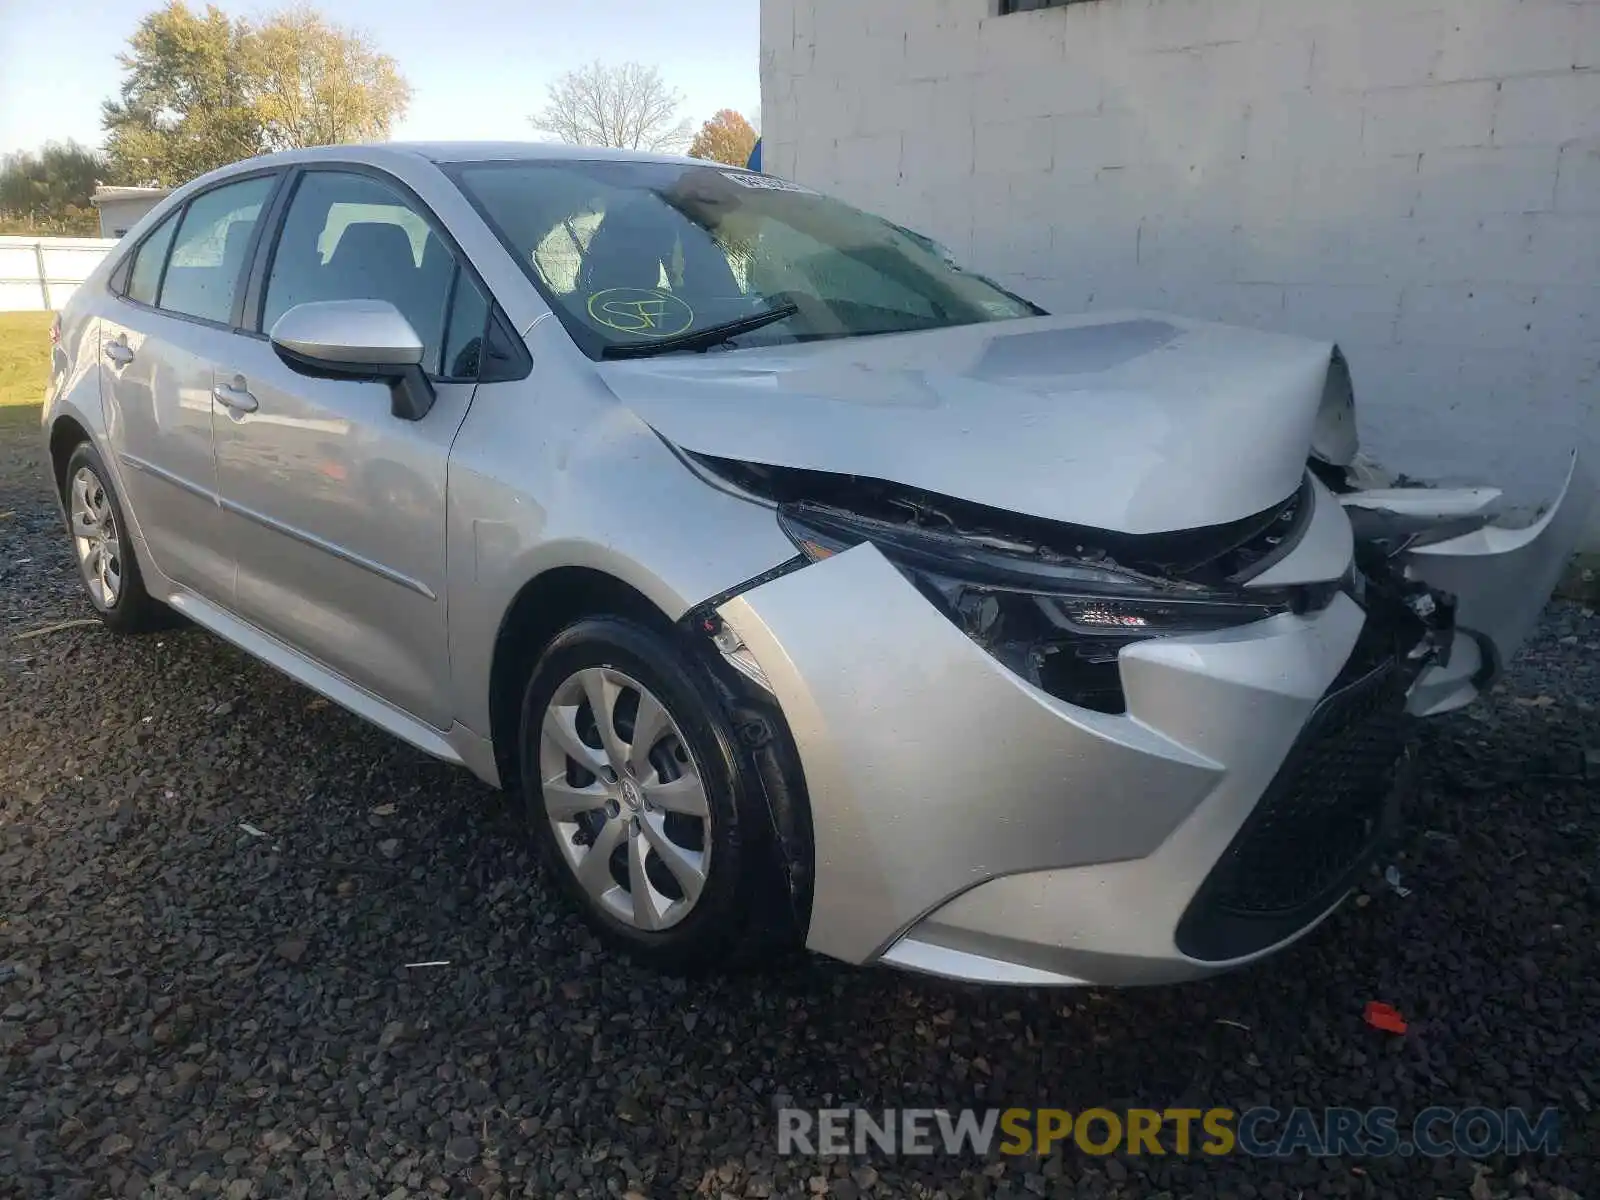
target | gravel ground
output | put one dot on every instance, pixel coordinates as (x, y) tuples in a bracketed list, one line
[(189, 1007)]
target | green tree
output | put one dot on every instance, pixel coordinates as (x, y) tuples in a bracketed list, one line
[(315, 83), (201, 90), (725, 138), (185, 105), (49, 192)]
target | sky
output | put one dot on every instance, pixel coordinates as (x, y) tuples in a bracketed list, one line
[(477, 67)]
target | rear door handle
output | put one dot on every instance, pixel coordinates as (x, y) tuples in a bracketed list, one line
[(119, 353), (234, 397)]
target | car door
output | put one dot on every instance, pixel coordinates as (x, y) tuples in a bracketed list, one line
[(334, 506), (170, 322)]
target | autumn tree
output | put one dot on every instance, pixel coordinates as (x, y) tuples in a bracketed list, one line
[(725, 138), (201, 89), (628, 106), (184, 106), (314, 83), (48, 192)]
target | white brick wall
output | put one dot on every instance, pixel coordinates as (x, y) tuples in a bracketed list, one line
[(1417, 179)]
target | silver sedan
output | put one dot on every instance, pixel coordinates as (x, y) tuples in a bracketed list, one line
[(809, 588)]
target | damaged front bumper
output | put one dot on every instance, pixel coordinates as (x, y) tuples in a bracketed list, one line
[(1500, 579), (970, 825)]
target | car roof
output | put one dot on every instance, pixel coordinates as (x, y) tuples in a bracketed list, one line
[(455, 152), (533, 151), (394, 154)]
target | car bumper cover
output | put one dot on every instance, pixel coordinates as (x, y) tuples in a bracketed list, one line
[(973, 826)]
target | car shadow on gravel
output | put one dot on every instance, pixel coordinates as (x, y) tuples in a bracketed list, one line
[(253, 947)]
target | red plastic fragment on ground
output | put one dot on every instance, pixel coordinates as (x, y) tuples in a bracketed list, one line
[(1384, 1016)]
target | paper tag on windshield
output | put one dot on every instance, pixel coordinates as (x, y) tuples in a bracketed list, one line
[(765, 183)]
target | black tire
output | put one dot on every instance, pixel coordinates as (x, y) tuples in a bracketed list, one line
[(739, 918), (131, 610)]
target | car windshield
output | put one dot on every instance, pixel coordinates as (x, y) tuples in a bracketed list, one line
[(630, 253)]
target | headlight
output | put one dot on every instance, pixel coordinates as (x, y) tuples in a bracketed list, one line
[(1057, 621)]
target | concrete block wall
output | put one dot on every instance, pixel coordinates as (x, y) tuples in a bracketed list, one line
[(1416, 179)]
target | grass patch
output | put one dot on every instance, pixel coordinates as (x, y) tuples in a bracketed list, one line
[(18, 420), (24, 357)]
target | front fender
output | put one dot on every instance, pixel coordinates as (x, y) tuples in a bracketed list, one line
[(534, 488)]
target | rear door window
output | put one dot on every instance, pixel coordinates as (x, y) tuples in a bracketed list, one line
[(148, 259), (209, 251)]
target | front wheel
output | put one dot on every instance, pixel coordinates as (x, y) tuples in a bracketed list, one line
[(644, 805), (103, 546)]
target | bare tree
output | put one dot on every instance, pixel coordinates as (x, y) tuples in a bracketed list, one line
[(628, 106)]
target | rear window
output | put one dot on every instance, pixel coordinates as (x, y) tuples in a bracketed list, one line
[(145, 277)]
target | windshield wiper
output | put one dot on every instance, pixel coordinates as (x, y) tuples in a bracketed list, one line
[(702, 339)]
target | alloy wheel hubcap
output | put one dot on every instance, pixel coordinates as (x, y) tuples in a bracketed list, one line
[(95, 537), (625, 798)]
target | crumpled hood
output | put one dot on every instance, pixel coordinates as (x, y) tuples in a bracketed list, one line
[(1130, 422)]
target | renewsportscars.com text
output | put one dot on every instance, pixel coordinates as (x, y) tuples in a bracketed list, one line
[(1261, 1132)]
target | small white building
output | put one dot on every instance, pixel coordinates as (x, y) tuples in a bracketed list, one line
[(121, 207), (1417, 180)]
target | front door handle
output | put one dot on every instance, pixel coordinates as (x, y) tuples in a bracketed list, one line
[(234, 397), (119, 352)]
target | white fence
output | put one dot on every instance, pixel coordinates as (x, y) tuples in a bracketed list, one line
[(39, 274)]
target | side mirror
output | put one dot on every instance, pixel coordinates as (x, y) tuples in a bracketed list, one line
[(357, 339)]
